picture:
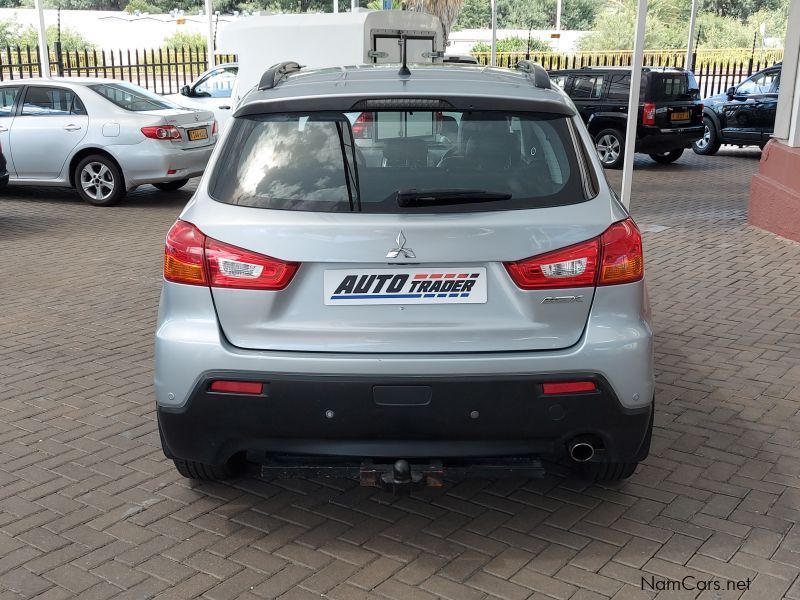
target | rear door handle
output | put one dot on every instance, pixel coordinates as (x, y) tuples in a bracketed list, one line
[(3, 129), (225, 107), (72, 127)]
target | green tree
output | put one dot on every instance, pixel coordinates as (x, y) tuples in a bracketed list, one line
[(514, 44), (184, 39), (527, 14), (12, 34), (143, 6)]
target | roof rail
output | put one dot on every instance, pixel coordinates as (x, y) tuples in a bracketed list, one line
[(540, 77), (276, 73)]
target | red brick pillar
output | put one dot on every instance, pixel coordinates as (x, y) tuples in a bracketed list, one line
[(775, 191)]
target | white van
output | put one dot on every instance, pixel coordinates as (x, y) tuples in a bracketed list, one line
[(323, 40)]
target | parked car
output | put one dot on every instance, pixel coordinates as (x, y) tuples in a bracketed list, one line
[(101, 136), (377, 295), (744, 115), (670, 113), (211, 91)]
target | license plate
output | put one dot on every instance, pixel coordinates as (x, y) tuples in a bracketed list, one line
[(680, 116), (197, 134), (348, 287)]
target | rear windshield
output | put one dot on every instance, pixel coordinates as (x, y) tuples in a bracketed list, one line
[(667, 87), (402, 161), (131, 97)]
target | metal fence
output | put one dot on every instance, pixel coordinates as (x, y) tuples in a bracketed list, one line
[(165, 70), (716, 70), (162, 70)]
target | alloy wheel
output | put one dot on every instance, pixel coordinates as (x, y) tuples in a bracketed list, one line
[(608, 149), (704, 141), (97, 180)]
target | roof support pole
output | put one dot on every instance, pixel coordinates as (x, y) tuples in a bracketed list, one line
[(44, 55), (690, 43), (210, 34), (633, 102), (493, 57), (558, 15)]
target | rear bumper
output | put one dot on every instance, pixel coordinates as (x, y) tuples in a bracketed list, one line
[(394, 417), (149, 162), (653, 140)]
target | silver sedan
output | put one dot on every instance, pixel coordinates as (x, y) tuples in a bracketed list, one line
[(103, 137)]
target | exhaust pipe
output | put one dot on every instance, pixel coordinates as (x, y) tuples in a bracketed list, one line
[(581, 451)]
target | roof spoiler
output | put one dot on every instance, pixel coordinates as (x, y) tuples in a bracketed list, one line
[(275, 74), (536, 72)]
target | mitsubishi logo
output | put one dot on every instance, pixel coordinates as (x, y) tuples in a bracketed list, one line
[(401, 249)]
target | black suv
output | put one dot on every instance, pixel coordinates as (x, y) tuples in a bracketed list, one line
[(670, 112), (744, 115)]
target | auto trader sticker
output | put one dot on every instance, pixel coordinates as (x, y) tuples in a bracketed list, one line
[(405, 286)]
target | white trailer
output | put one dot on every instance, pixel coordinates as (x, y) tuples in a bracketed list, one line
[(329, 40)]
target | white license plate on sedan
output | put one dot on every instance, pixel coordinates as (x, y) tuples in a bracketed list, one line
[(350, 287)]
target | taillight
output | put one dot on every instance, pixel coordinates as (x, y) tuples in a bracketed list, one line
[(362, 128), (623, 259), (649, 114), (568, 387), (192, 258), (183, 255), (236, 387), (232, 267), (214, 128), (575, 266), (614, 257), (168, 133)]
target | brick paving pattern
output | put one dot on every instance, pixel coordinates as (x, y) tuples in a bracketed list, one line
[(90, 509)]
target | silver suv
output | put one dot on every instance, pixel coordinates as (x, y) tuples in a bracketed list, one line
[(395, 275)]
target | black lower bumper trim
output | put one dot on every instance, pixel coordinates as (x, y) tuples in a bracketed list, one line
[(470, 416)]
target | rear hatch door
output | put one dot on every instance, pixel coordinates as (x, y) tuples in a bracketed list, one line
[(406, 273), (676, 96)]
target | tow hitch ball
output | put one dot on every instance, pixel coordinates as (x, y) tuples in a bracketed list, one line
[(403, 477)]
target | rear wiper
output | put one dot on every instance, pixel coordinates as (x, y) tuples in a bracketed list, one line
[(415, 197)]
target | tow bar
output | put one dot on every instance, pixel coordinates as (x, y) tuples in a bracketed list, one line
[(401, 477)]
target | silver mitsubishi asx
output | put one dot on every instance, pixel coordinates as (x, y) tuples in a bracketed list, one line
[(402, 275)]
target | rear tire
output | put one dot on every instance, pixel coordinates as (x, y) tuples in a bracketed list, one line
[(610, 146), (708, 144), (171, 186), (665, 158), (203, 472), (99, 180)]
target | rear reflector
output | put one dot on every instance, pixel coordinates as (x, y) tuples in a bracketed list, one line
[(237, 387), (568, 387)]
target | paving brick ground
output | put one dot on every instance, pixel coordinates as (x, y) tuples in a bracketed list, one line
[(89, 507)]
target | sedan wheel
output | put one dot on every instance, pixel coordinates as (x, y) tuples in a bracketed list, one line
[(610, 148), (99, 181)]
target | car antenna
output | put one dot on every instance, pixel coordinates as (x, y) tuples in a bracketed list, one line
[(404, 70)]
